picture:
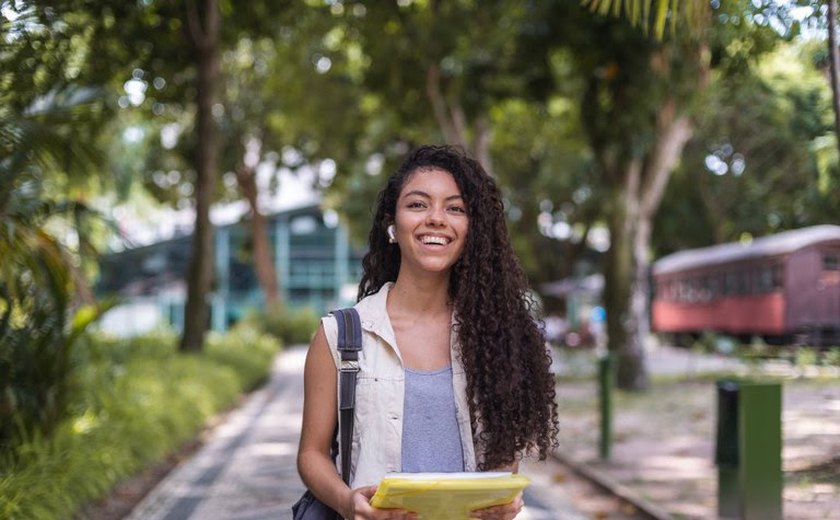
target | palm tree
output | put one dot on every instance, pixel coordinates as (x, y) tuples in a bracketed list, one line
[(38, 321), (655, 15)]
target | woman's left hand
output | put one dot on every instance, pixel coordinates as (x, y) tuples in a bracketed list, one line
[(503, 512)]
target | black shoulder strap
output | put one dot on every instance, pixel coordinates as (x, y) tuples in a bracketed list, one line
[(349, 345)]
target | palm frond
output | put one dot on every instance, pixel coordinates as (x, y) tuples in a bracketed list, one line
[(654, 16)]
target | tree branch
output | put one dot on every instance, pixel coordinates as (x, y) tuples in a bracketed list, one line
[(675, 132), (199, 39), (202, 37), (439, 107)]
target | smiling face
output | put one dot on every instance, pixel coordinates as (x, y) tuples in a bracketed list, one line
[(431, 221)]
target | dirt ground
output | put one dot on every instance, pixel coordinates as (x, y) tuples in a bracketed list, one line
[(664, 441)]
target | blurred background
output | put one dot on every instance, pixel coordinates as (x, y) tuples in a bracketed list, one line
[(199, 176)]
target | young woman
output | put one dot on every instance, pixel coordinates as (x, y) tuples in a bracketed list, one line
[(454, 372)]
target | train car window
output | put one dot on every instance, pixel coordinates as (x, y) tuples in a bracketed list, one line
[(831, 261), (705, 289), (697, 289), (731, 283), (743, 282), (765, 280), (778, 277)]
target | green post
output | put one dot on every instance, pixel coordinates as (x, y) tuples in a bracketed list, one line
[(726, 450), (749, 450), (760, 447), (605, 387)]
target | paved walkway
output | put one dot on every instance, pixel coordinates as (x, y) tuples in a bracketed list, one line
[(246, 470)]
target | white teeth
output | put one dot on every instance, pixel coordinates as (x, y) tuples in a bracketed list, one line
[(435, 240)]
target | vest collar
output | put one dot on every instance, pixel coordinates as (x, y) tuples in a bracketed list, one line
[(374, 316)]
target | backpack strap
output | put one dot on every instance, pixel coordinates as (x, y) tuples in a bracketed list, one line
[(349, 345)]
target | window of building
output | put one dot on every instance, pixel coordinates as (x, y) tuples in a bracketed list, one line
[(304, 225)]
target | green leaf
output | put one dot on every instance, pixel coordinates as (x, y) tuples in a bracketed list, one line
[(661, 17), (88, 314)]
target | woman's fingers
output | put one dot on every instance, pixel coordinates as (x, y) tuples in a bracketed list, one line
[(502, 512), (364, 511)]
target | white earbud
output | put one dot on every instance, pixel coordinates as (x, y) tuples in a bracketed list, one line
[(392, 234)]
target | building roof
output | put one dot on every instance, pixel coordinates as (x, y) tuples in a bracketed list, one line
[(591, 285), (771, 245)]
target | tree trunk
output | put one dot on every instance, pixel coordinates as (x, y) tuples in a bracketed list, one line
[(618, 272), (453, 122), (205, 40), (263, 264), (834, 61), (634, 205)]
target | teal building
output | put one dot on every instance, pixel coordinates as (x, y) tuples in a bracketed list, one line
[(316, 266)]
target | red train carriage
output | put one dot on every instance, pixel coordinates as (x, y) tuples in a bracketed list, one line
[(783, 287)]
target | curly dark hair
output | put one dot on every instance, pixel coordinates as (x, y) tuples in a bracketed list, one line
[(509, 385)]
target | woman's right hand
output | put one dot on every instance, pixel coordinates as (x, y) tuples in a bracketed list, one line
[(362, 510)]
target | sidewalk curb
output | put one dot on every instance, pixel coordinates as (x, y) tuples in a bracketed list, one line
[(609, 484)]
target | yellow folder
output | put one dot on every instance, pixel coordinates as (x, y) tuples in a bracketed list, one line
[(447, 496)]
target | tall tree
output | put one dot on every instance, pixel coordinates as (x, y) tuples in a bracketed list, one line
[(203, 31), (172, 75), (636, 115), (284, 93), (639, 115), (834, 61)]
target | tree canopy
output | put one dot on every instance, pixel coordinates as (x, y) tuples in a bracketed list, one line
[(581, 116)]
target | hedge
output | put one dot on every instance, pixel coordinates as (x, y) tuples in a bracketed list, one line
[(134, 402)]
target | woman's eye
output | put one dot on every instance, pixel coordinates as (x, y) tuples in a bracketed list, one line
[(416, 205), (457, 209)]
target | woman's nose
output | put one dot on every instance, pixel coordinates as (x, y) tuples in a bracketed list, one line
[(435, 217)]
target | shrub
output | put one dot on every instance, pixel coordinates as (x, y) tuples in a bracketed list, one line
[(832, 357), (137, 401), (291, 326), (245, 349)]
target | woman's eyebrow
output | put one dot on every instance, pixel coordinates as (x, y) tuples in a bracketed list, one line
[(426, 195)]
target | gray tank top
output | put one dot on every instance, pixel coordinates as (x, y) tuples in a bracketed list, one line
[(431, 440)]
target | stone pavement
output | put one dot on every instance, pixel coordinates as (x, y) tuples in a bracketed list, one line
[(246, 470)]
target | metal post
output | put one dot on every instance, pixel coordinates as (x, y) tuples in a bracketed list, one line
[(605, 387), (760, 424), (726, 450), (749, 450)]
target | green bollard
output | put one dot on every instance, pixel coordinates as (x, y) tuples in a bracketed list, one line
[(760, 421), (726, 450), (749, 450), (605, 389)]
